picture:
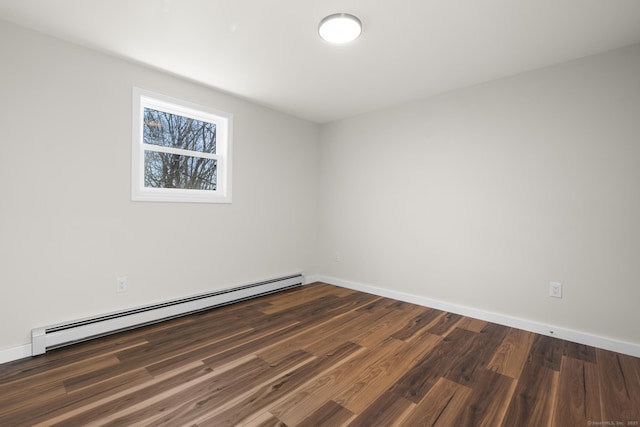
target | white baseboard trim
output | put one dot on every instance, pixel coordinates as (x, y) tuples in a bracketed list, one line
[(618, 346), (15, 353)]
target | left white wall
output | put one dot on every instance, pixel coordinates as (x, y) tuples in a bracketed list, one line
[(69, 227)]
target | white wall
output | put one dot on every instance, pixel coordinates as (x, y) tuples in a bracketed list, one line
[(68, 227), (478, 197), (481, 196)]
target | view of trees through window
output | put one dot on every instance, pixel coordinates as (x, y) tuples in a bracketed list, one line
[(176, 151)]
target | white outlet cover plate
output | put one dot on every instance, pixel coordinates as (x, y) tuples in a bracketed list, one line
[(555, 289), (121, 284)]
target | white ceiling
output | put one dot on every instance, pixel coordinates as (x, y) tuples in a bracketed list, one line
[(269, 51)]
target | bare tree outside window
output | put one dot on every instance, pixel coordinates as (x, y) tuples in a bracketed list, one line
[(170, 170)]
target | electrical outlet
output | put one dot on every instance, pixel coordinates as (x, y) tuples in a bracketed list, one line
[(121, 284), (338, 256), (555, 289)]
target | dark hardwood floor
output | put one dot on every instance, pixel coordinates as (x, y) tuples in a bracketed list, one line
[(323, 355)]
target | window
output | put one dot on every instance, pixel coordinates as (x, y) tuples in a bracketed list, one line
[(181, 151)]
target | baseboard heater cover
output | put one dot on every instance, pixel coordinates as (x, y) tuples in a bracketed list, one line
[(55, 336)]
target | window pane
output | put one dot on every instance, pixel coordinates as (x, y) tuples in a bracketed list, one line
[(164, 170), (172, 130)]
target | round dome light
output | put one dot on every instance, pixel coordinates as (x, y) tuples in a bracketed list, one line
[(340, 28)]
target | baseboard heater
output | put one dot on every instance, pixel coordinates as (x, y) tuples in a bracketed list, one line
[(54, 336)]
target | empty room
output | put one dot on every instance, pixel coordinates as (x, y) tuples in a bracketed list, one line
[(305, 213)]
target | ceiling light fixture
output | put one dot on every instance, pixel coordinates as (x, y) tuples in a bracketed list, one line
[(340, 28)]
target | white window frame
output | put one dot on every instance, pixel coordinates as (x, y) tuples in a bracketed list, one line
[(224, 123)]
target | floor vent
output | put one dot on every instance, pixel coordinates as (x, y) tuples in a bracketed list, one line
[(50, 337)]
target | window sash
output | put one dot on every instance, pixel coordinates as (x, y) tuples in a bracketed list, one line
[(206, 120), (179, 151)]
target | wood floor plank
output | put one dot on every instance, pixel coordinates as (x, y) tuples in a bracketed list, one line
[(333, 382), (198, 352), (180, 406), (445, 323), (280, 387), (295, 297), (577, 399), (24, 398), (322, 355), (470, 324), (469, 366), (344, 332), (66, 405), (384, 326), (309, 336), (115, 408), (330, 415), (419, 379), (174, 344), (63, 359), (533, 401), (57, 374), (53, 414), (232, 353), (548, 352), (311, 311), (25, 391), (264, 419), (440, 406), (619, 387), (97, 376), (510, 358), (417, 323), (378, 305), (487, 402), (387, 410), (582, 352), (531, 404), (380, 376)]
